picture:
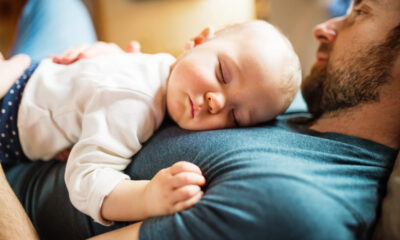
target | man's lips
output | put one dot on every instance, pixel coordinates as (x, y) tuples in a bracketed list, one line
[(322, 57), (323, 52)]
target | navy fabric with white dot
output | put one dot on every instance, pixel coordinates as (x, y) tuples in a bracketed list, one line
[(10, 147)]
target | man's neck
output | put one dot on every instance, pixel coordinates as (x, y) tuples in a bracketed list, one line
[(379, 122)]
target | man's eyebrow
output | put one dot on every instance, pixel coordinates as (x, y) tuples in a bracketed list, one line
[(358, 2)]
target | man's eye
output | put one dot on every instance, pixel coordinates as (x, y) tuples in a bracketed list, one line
[(360, 11)]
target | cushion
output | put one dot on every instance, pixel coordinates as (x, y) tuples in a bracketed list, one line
[(388, 226)]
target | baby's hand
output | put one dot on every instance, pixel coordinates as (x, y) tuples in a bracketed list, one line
[(95, 50), (63, 155), (174, 189)]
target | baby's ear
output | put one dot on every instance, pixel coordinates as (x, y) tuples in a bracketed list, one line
[(205, 35)]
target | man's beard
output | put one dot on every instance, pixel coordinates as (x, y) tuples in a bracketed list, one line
[(358, 80)]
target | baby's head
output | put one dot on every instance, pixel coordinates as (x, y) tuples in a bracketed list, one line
[(242, 75)]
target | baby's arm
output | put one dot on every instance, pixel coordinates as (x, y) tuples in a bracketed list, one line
[(171, 190), (110, 136)]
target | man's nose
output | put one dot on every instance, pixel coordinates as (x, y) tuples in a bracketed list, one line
[(216, 102), (326, 32)]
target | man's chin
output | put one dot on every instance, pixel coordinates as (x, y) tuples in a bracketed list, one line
[(312, 88)]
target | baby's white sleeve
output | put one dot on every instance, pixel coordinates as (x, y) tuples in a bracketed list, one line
[(114, 126)]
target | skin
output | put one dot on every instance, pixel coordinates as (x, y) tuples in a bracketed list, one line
[(11, 69), (228, 80), (14, 222), (366, 25)]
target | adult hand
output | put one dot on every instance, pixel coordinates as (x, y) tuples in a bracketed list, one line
[(97, 49), (14, 222), (11, 69)]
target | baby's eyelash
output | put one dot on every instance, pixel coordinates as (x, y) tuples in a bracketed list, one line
[(221, 72), (235, 119)]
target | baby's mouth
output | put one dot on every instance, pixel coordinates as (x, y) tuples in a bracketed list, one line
[(191, 107), (194, 109)]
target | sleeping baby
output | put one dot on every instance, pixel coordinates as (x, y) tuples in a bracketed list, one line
[(106, 107)]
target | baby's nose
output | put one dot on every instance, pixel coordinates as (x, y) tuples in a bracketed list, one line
[(216, 102)]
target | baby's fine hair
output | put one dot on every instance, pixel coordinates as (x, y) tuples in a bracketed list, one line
[(291, 75)]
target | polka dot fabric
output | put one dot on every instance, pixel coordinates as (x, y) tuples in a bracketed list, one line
[(10, 147)]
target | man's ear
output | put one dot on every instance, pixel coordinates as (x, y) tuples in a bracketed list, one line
[(205, 35)]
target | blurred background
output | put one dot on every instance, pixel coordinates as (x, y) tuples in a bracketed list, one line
[(165, 25)]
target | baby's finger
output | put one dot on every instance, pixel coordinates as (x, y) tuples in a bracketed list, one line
[(183, 166), (57, 59), (189, 44), (70, 55), (1, 56), (187, 178), (100, 49), (184, 193), (96, 49), (133, 47), (180, 206)]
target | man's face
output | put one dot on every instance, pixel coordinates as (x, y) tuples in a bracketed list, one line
[(230, 80), (355, 57)]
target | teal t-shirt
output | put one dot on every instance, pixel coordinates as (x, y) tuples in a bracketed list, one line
[(276, 181)]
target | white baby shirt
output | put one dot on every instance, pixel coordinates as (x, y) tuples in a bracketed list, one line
[(104, 107)]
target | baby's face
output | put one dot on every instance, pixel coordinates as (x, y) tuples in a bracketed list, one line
[(231, 80)]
